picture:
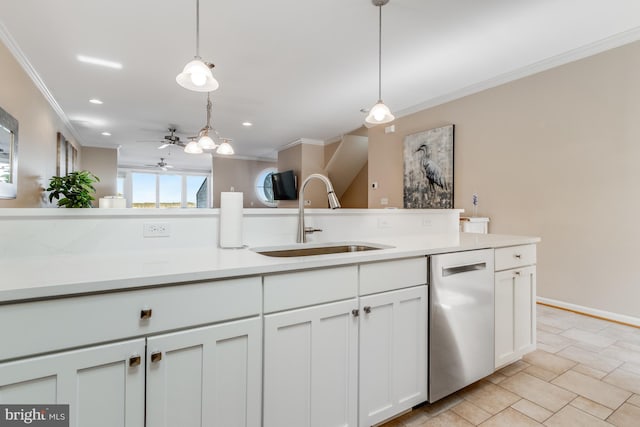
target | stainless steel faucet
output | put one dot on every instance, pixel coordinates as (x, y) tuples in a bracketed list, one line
[(333, 204)]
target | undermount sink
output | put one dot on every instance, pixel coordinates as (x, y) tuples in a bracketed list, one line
[(320, 249)]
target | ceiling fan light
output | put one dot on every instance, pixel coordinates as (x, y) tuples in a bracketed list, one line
[(197, 76), (378, 115), (206, 142), (225, 149), (193, 148)]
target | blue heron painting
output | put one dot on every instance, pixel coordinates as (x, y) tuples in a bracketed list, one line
[(428, 169)]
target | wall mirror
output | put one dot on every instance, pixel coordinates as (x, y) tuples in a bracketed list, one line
[(8, 155)]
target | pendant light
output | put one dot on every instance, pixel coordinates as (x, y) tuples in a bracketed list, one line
[(193, 147), (379, 113), (197, 75), (225, 148), (204, 140)]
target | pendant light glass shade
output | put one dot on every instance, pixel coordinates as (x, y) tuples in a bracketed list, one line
[(225, 148), (205, 142), (379, 113), (193, 148), (197, 75)]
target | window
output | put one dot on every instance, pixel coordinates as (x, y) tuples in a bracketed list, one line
[(264, 188), (161, 190)]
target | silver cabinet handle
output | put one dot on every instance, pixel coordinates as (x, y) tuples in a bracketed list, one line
[(450, 271), (517, 273), (355, 312), (134, 360), (367, 309), (517, 256), (156, 356), (145, 313)]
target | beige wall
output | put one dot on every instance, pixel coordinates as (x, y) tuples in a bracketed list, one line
[(103, 163), (553, 155), (38, 127), (305, 159), (239, 174), (355, 197)]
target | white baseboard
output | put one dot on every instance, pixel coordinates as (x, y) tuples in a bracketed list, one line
[(607, 315)]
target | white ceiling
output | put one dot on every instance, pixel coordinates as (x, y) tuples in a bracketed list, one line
[(294, 68)]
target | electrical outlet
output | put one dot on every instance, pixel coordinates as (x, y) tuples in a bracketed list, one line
[(384, 201), (307, 202), (156, 229), (426, 222)]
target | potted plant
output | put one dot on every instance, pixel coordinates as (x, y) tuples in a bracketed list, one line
[(76, 189)]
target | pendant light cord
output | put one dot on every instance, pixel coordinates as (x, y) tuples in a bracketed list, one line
[(209, 105), (380, 54), (197, 28)]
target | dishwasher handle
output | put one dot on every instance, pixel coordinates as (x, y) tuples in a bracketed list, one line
[(450, 271)]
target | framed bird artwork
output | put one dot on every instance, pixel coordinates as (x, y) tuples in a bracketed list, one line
[(428, 169)]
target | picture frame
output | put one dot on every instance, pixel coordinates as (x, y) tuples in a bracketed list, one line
[(428, 169), (61, 157)]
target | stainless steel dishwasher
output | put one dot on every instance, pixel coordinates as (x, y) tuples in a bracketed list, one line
[(461, 321)]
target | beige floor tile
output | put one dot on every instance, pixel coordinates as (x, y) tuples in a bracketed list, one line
[(470, 412), (591, 407), (540, 392), (628, 345), (631, 367), (634, 400), (626, 416), (541, 373), (621, 353), (412, 419), (621, 332), (588, 337), (514, 368), (571, 416), (551, 348), (549, 362), (587, 370), (492, 398), (532, 410), (442, 405), (511, 418), (590, 324), (548, 328), (554, 340), (625, 380), (446, 419), (496, 378), (591, 388), (589, 358)]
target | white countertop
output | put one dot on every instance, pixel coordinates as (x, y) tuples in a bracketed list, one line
[(40, 277)]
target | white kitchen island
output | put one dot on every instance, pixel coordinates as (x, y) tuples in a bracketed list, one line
[(204, 336)]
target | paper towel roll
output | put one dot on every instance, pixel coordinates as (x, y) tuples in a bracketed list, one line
[(230, 220)]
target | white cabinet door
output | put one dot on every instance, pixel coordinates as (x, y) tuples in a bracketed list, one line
[(515, 322), (393, 353), (208, 376), (103, 385), (310, 366)]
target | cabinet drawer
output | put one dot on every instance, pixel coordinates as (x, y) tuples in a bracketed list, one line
[(43, 326), (389, 275), (303, 288), (515, 256)]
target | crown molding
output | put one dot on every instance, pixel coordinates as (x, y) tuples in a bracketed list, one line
[(591, 49), (17, 53)]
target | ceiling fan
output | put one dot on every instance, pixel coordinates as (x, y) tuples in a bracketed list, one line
[(168, 140), (161, 164)]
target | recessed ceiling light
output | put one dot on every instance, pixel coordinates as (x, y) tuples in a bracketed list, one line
[(106, 134), (247, 124), (95, 101), (100, 62)]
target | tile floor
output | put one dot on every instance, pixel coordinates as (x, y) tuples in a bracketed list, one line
[(585, 372)]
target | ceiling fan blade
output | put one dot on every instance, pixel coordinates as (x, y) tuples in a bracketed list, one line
[(165, 145), (164, 168), (168, 166)]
